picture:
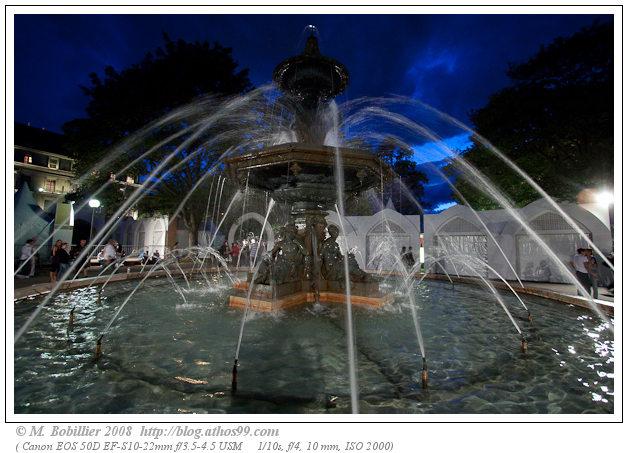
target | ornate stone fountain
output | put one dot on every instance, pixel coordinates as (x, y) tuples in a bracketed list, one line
[(305, 265)]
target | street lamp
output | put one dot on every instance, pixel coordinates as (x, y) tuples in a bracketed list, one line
[(94, 204)]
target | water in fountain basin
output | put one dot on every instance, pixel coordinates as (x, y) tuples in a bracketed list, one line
[(476, 366)]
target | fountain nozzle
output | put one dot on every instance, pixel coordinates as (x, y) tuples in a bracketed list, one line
[(524, 345), (234, 376), (424, 375), (98, 353), (71, 320)]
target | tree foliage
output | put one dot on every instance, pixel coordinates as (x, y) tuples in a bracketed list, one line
[(555, 121), (122, 102), (407, 190)]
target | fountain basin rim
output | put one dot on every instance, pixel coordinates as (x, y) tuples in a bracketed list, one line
[(362, 170), (45, 288)]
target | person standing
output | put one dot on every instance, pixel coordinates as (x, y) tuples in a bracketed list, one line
[(593, 272), (244, 252), (410, 260), (63, 254), (253, 250), (225, 250), (611, 285), (404, 256), (579, 264), (54, 260), (235, 252), (76, 253)]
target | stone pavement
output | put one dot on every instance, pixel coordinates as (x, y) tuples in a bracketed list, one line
[(569, 290)]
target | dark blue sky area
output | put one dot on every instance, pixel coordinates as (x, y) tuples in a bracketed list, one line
[(453, 62)]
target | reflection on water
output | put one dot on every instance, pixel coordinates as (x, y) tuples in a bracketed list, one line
[(165, 356)]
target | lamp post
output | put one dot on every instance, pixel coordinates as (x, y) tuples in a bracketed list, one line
[(94, 204)]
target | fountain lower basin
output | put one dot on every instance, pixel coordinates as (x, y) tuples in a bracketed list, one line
[(165, 356)]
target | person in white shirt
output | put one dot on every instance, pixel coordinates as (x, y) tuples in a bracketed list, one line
[(253, 251), (109, 252), (579, 263), (28, 254)]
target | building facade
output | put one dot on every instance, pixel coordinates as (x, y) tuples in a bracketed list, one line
[(41, 161), (44, 169)]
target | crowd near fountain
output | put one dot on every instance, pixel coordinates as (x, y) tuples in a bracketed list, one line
[(306, 325)]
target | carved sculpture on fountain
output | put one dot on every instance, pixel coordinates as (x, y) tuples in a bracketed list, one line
[(285, 262)]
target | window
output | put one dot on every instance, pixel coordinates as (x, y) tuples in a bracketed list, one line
[(65, 165), (129, 179), (53, 163), (28, 159), (50, 185)]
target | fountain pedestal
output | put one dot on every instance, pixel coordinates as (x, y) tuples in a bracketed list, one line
[(306, 266), (271, 298)]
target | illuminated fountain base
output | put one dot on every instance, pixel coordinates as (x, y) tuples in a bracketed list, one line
[(271, 298)]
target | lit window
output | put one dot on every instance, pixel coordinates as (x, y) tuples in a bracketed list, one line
[(28, 159), (50, 185), (53, 163), (129, 180)]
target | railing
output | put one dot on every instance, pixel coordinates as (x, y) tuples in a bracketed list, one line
[(93, 250)]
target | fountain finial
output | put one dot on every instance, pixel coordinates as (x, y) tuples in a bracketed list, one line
[(311, 46), (311, 77)]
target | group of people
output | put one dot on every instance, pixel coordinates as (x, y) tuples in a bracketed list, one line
[(63, 255), (587, 272), (407, 257), (243, 253), (146, 258)]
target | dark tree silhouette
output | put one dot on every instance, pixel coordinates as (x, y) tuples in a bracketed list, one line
[(122, 102), (555, 122)]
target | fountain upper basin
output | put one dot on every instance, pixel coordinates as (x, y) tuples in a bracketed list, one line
[(301, 173)]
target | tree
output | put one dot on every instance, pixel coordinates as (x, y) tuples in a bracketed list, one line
[(555, 121), (407, 190), (125, 101)]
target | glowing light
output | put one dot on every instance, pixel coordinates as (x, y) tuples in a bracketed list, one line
[(93, 203), (604, 197)]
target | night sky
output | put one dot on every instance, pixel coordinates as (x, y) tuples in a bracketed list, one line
[(453, 62)]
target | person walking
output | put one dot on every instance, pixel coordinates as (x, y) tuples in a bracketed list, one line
[(579, 263), (27, 259)]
